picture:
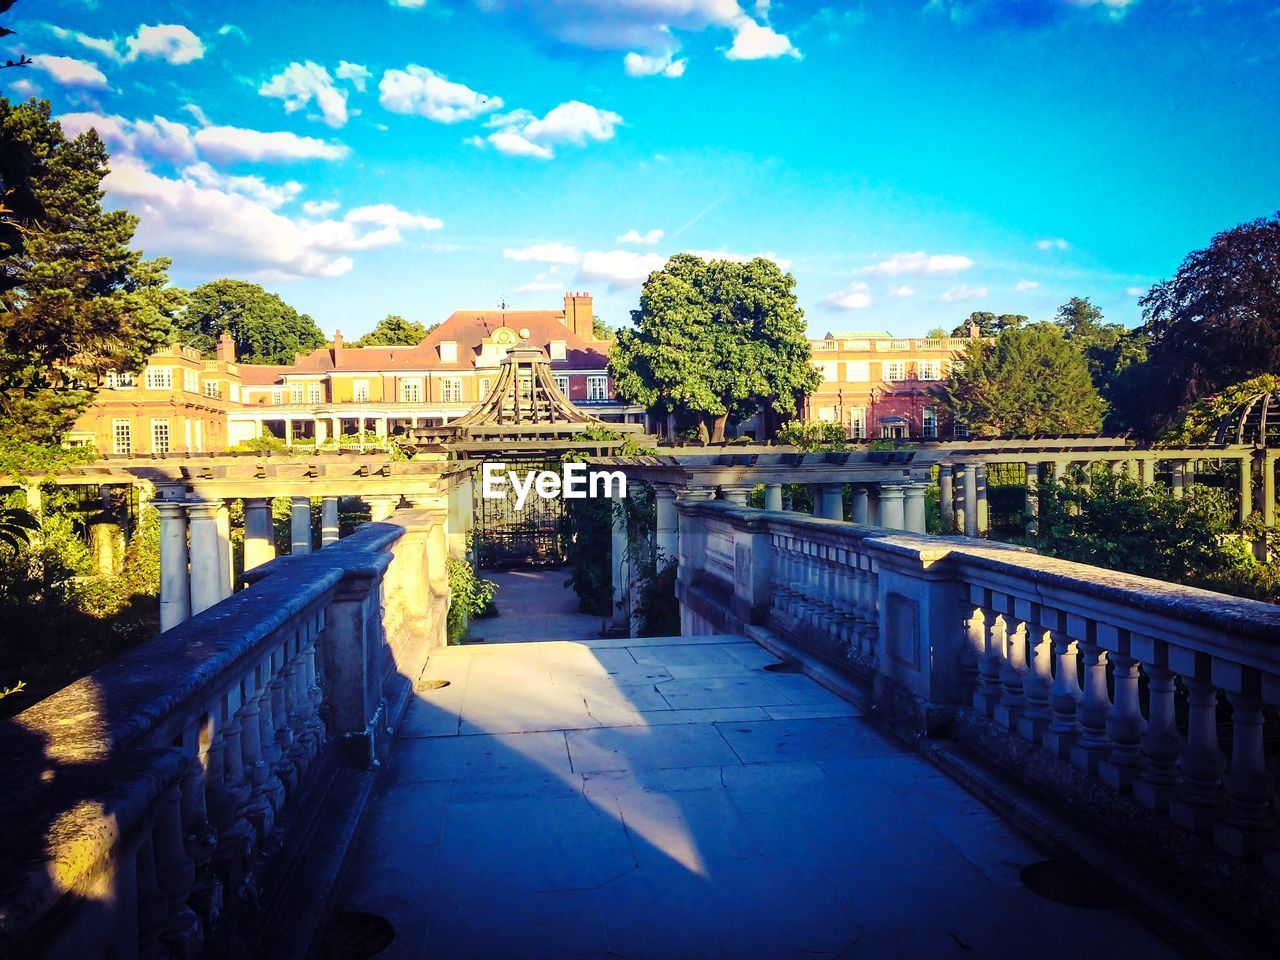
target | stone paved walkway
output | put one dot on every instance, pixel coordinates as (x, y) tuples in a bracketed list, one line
[(670, 798), (534, 604)]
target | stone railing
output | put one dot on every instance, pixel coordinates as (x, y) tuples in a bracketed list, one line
[(961, 635), (143, 800)]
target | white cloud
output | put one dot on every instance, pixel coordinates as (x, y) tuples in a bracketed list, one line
[(901, 293), (741, 257), (619, 268), (388, 215), (650, 65), (648, 238), (918, 263), (227, 144), (1022, 286), (358, 75), (1053, 243), (99, 45), (409, 4), (25, 88), (857, 297), (543, 253), (756, 41), (156, 137), (418, 90), (523, 134), (963, 292), (170, 42), (301, 83), (268, 194), (320, 208), (539, 286), (232, 231), (70, 72), (1136, 291)]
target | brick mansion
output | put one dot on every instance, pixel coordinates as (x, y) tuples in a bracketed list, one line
[(873, 384)]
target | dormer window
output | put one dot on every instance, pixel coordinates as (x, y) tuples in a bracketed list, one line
[(557, 349), (448, 351)]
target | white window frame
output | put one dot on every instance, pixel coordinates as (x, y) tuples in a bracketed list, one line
[(410, 391), (895, 370), (486, 385), (557, 349), (450, 389), (929, 423), (360, 391), (929, 370), (277, 396), (213, 389), (161, 442), (122, 430), (858, 371), (315, 392), (159, 378), (191, 381), (597, 387), (826, 414), (830, 370), (562, 383), (448, 351), (297, 391), (858, 423)]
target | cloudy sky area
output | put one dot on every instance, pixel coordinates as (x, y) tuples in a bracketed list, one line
[(907, 160)]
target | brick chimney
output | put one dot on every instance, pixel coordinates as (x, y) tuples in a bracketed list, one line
[(226, 349), (578, 314), (337, 340)]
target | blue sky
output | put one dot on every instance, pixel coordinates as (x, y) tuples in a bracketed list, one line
[(909, 161)]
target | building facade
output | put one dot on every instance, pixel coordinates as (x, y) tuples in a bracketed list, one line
[(183, 403), (876, 385)]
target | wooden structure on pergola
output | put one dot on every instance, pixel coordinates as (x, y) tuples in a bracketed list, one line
[(525, 416)]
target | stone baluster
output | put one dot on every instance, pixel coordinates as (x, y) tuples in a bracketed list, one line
[(1037, 684), (1250, 786), (1093, 744), (311, 666), (989, 687), (1199, 800), (1125, 725), (947, 498), (175, 876), (1064, 695), (260, 810), (1161, 743), (285, 768), (175, 583), (268, 742), (234, 846), (153, 905), (849, 600), (199, 837), (860, 507), (1013, 669), (975, 645)]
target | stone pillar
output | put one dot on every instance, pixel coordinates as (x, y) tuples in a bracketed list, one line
[(1189, 473), (1178, 478), (892, 513), (666, 526), (737, 494), (322, 431), (328, 521), (226, 573), (206, 558), (984, 514), (969, 492), (175, 587), (259, 533), (288, 431), (913, 507), (300, 527), (620, 564), (381, 507), (947, 498), (1033, 499), (1246, 487), (861, 506), (1148, 468), (1269, 488), (832, 507), (773, 496), (461, 504)]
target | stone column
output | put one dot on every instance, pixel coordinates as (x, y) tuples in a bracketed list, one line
[(1246, 487), (832, 505), (913, 507), (984, 514), (206, 558), (259, 533), (892, 514), (1269, 488), (300, 527), (947, 498), (773, 496), (861, 505), (381, 507), (328, 521), (322, 431), (1189, 473), (1178, 478), (1033, 499), (666, 526), (620, 564), (1148, 469), (175, 587), (737, 494), (969, 492), (226, 574), (288, 431)]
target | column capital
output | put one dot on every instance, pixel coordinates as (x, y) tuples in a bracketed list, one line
[(202, 509), (696, 494)]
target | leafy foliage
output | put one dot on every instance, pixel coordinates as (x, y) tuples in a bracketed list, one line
[(812, 435), (1030, 381), (265, 328), (1198, 421), (394, 330), (989, 324), (715, 339), (657, 607), (16, 527), (469, 596), (601, 330), (20, 459), (1217, 321), (75, 300), (1113, 354)]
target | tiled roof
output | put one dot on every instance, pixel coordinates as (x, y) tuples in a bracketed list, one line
[(261, 374)]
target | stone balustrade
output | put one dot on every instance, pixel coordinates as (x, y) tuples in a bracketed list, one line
[(151, 792), (1153, 690)]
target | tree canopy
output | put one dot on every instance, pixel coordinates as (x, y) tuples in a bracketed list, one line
[(75, 300), (265, 328), (989, 324), (394, 330), (1030, 381), (1111, 351), (1217, 321), (715, 339)]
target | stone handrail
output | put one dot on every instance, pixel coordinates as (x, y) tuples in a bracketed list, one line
[(1050, 651), (142, 798)]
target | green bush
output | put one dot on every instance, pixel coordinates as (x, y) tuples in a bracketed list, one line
[(469, 596)]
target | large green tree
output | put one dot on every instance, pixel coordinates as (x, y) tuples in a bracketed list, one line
[(989, 324), (265, 328), (393, 331), (1110, 350), (715, 339), (1030, 381), (1217, 321), (75, 300)]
